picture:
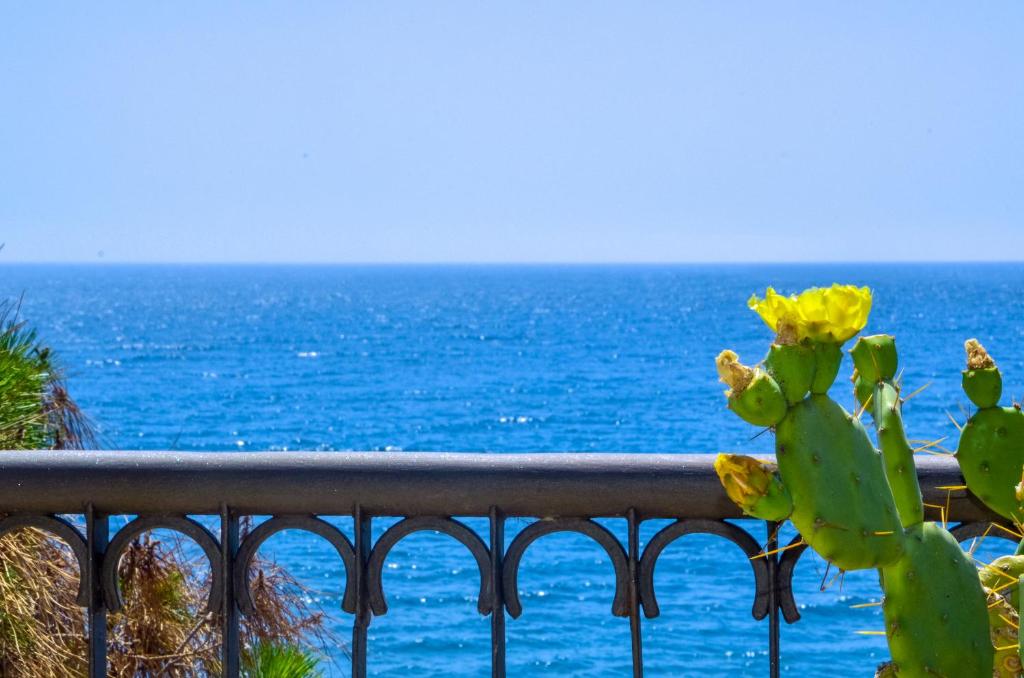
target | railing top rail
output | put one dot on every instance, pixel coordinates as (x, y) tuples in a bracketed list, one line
[(395, 483)]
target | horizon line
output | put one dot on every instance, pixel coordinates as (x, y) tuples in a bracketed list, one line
[(904, 262)]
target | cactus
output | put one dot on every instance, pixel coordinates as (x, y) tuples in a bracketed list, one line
[(1003, 623), (991, 448), (841, 502), (856, 507), (991, 456), (936, 618)]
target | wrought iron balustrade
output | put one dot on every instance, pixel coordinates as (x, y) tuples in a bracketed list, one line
[(426, 492)]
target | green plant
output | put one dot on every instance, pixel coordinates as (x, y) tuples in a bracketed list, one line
[(160, 632), (991, 456), (854, 506), (279, 660), (935, 609)]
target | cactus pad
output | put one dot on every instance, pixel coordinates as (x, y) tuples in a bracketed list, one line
[(843, 506), (936, 617)]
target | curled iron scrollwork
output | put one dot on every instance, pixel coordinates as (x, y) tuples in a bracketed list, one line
[(403, 528), (252, 542), (186, 526), (718, 528), (61, 529), (787, 566), (536, 530)]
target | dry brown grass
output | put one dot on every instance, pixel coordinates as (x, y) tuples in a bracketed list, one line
[(160, 632)]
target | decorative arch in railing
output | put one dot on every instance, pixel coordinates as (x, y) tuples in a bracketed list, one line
[(718, 528), (265, 530), (421, 491), (444, 525), (63, 530), (536, 530), (186, 526)]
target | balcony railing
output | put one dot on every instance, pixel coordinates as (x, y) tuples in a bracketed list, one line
[(426, 491)]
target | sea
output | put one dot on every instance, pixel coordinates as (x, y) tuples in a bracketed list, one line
[(507, 359)]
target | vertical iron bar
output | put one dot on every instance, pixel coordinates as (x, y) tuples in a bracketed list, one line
[(229, 648), (497, 523), (771, 546), (633, 523), (97, 534), (362, 618)]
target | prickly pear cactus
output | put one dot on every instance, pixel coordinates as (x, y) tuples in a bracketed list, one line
[(855, 506), (991, 457), (991, 448), (1004, 624), (831, 472), (936, 618)]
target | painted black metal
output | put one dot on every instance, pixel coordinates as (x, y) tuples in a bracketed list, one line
[(63, 530), (784, 579), (534, 531), (454, 529), (719, 528), (391, 484), (97, 528), (565, 492), (136, 528), (312, 524), (229, 612), (496, 525)]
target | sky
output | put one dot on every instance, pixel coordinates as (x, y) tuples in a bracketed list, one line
[(511, 132)]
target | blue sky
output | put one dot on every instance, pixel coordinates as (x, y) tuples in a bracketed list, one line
[(527, 131)]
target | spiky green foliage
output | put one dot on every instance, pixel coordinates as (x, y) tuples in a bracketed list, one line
[(160, 631), (279, 660), (35, 410)]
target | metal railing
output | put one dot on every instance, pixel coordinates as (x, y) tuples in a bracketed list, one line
[(426, 491)]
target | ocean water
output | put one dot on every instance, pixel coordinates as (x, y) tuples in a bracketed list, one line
[(500, 359)]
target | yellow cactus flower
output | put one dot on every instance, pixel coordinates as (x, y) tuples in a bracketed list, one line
[(822, 314), (752, 485)]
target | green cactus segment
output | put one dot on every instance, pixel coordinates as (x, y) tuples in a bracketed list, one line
[(1003, 622), (984, 387), (793, 367), (843, 506), (936, 618), (1001, 574), (775, 505), (991, 453), (827, 358), (862, 388), (897, 454), (875, 357), (754, 486), (761, 403), (875, 360)]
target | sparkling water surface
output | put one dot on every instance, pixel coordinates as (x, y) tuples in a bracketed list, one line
[(503, 359)]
